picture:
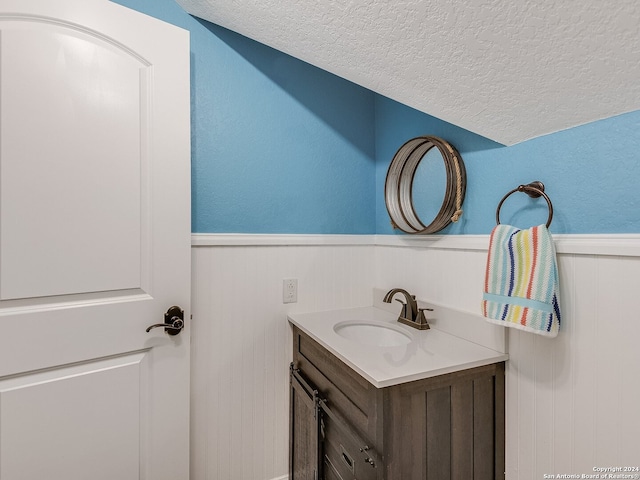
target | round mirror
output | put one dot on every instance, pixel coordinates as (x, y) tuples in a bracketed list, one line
[(429, 185), (425, 185)]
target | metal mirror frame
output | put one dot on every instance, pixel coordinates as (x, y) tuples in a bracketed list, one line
[(399, 186)]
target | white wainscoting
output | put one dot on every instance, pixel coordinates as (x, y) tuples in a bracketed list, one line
[(571, 401), (241, 344)]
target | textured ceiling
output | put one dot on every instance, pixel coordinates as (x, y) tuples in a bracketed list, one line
[(509, 71)]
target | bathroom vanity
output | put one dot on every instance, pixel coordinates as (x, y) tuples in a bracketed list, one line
[(367, 404)]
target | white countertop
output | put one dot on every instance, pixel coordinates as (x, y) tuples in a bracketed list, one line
[(429, 352)]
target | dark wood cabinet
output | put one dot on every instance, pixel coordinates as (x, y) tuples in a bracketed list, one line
[(449, 427)]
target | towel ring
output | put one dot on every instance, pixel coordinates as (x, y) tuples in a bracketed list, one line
[(534, 190)]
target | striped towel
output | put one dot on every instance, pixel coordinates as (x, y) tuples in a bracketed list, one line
[(521, 286)]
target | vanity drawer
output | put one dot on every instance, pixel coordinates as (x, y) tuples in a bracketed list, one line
[(347, 464), (330, 472), (351, 456)]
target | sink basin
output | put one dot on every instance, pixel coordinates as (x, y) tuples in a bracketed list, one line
[(377, 334)]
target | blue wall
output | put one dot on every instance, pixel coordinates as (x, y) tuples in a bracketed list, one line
[(591, 173), (280, 146)]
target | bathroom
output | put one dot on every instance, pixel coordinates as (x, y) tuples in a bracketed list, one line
[(288, 173), (303, 198)]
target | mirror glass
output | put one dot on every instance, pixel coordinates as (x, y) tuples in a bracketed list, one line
[(429, 186)]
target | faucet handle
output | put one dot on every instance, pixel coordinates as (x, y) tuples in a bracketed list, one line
[(421, 320)]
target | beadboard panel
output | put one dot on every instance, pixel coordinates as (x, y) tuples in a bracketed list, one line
[(241, 347), (572, 400)]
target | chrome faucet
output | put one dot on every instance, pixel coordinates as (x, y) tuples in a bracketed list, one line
[(410, 315)]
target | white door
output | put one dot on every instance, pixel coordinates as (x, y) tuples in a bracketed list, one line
[(94, 242)]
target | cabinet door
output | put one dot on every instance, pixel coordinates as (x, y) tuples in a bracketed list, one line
[(451, 428), (303, 435)]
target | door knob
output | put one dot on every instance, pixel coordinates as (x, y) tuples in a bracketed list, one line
[(173, 321)]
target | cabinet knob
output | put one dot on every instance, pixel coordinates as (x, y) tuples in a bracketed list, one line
[(368, 460)]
